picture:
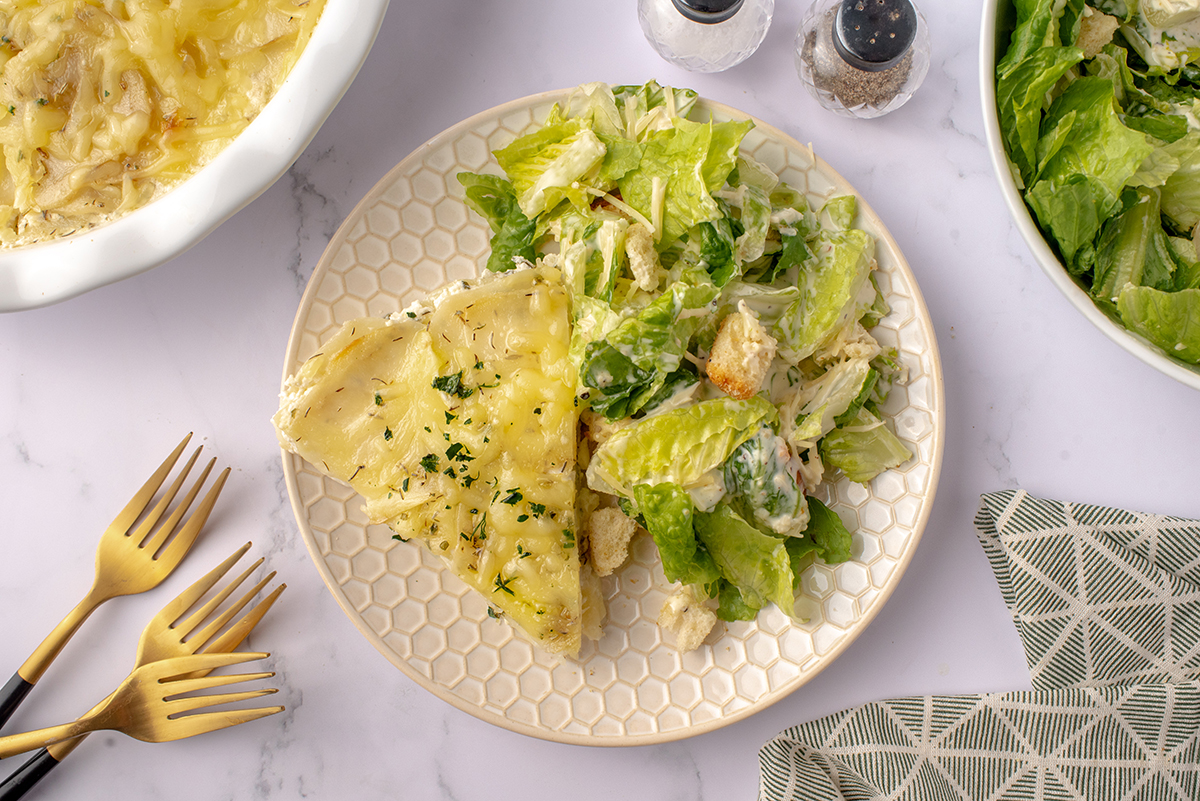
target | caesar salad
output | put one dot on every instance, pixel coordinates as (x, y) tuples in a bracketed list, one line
[(721, 342)]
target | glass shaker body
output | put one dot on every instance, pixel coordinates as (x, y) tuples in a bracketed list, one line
[(862, 58), (672, 29)]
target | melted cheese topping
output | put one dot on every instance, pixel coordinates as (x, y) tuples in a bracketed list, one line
[(458, 428), (104, 104)]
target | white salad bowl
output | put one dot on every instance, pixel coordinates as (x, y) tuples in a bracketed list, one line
[(49, 272), (996, 26)]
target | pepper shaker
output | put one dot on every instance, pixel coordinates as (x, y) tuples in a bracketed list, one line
[(705, 35), (862, 58)]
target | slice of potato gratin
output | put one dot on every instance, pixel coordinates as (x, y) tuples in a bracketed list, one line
[(457, 424)]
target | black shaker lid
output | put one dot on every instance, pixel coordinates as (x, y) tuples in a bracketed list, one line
[(708, 11), (873, 35)]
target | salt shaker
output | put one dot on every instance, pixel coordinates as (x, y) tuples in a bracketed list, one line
[(705, 35), (862, 58)]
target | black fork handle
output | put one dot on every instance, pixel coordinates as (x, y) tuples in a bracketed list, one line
[(12, 695), (26, 776)]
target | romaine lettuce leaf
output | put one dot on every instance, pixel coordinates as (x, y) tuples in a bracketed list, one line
[(756, 222), (668, 512), (1020, 94), (839, 212), (1187, 263), (591, 252), (638, 105), (826, 537), (594, 319), (679, 446), (630, 365), (828, 533), (1171, 320), (756, 563), (1036, 28), (1081, 181), (863, 448), (494, 199), (822, 401), (1181, 190), (752, 172), (831, 288), (716, 240), (546, 165), (760, 483), (731, 606), (680, 168), (1133, 249)]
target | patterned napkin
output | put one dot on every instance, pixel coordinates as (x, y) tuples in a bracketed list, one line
[(1107, 604)]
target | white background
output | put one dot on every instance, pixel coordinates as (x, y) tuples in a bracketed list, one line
[(94, 391)]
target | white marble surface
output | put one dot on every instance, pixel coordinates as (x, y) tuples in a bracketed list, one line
[(96, 389)]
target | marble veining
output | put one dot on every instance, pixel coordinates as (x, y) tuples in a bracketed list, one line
[(95, 390)]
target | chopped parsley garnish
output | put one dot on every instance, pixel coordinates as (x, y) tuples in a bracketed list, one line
[(430, 462), (538, 509), (398, 537), (404, 486), (453, 385), (478, 363), (450, 418), (468, 481), (411, 315), (387, 433), (568, 538), (378, 399), (521, 552), (459, 452), (514, 496), (538, 410), (522, 518), (502, 584), (449, 471)]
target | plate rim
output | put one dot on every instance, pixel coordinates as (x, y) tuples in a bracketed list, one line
[(623, 740)]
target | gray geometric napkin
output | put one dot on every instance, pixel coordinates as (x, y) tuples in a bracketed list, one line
[(1107, 604)]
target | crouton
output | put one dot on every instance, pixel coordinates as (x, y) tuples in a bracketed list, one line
[(643, 258), (688, 618), (609, 532), (1096, 29), (741, 354)]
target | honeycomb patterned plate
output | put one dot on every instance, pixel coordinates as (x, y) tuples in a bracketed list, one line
[(411, 234)]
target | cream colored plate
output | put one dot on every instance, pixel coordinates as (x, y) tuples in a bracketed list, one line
[(411, 234)]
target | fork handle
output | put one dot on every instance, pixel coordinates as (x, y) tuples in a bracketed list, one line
[(26, 776), (11, 696), (14, 744), (45, 653), (27, 675)]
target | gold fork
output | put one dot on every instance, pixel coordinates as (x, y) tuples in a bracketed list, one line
[(170, 635), (129, 559), (151, 704)]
